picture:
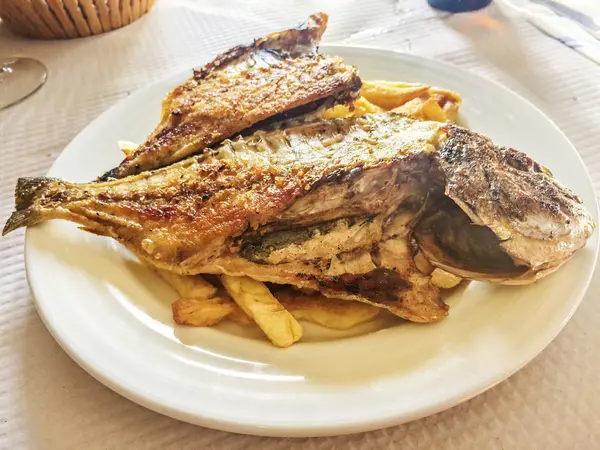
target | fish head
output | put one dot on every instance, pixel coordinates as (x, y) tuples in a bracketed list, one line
[(503, 217)]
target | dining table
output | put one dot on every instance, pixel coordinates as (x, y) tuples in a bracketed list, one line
[(48, 402)]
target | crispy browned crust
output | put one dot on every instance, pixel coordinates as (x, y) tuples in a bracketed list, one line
[(276, 75), (389, 289), (198, 204), (314, 302), (537, 218)]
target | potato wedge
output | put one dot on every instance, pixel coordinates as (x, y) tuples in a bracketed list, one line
[(328, 312), (202, 313), (337, 112), (449, 101), (423, 109), (417, 100), (359, 108), (188, 286), (444, 280), (316, 308), (362, 106), (389, 95), (431, 110), (413, 108), (255, 299)]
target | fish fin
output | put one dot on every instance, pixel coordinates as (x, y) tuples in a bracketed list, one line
[(26, 192), (112, 173)]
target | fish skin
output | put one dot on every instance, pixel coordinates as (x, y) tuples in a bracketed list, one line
[(277, 76), (189, 217), (540, 222), (271, 178), (186, 217)]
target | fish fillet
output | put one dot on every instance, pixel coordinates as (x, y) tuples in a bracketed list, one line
[(277, 76)]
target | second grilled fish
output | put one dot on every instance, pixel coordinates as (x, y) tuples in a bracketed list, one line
[(280, 75)]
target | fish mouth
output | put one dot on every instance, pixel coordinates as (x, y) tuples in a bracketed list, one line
[(450, 240)]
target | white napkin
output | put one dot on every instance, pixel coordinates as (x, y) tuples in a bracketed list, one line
[(563, 27)]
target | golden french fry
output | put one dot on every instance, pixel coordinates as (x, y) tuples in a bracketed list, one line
[(447, 100), (388, 95), (432, 111), (413, 108), (201, 313), (419, 101), (360, 107), (238, 316), (337, 112), (312, 307), (255, 299), (423, 109), (328, 312), (127, 147), (444, 280), (188, 286)]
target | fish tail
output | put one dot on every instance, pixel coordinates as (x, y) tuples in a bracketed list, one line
[(27, 191)]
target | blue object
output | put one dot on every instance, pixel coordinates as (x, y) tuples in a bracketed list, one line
[(458, 6)]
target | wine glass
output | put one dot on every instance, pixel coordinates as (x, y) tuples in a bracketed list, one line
[(19, 78)]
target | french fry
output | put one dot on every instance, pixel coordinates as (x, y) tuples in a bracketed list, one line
[(419, 101), (255, 299), (432, 111), (238, 316), (444, 280), (359, 108), (328, 312), (362, 106), (316, 308), (413, 108), (188, 286), (337, 112), (447, 100), (201, 313), (127, 147), (423, 109), (389, 95)]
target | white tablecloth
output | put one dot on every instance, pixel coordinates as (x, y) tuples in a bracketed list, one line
[(48, 402)]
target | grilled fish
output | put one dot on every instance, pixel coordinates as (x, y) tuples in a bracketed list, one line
[(278, 76), (332, 205)]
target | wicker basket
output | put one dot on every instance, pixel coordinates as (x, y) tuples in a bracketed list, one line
[(65, 19)]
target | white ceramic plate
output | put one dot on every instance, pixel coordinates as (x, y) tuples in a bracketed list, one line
[(113, 316)]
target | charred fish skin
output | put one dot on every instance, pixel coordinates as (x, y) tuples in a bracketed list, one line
[(186, 217), (184, 214), (276, 77), (302, 39), (539, 222)]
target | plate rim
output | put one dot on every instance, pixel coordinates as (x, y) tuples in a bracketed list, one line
[(298, 429)]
